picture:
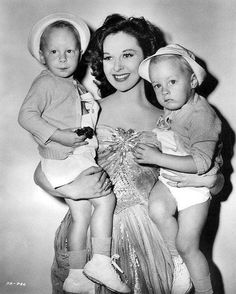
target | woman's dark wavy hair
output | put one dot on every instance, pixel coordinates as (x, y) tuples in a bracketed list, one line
[(149, 37)]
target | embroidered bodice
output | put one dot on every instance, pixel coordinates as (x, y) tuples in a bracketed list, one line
[(132, 182)]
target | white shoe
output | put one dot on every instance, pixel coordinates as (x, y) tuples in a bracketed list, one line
[(77, 282), (101, 270), (181, 280)]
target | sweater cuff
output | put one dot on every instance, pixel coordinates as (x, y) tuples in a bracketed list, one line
[(200, 164), (44, 137)]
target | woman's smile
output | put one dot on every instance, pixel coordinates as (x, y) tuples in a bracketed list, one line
[(121, 77), (121, 58)]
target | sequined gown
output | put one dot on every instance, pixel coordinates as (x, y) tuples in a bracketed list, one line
[(143, 255)]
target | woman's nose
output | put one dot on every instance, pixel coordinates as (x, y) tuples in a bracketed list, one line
[(118, 65)]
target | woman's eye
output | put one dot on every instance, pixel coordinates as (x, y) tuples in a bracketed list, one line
[(157, 86), (106, 58), (127, 55)]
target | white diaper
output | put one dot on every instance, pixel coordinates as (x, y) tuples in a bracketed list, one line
[(186, 196)]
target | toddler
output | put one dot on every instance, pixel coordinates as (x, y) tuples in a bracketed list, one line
[(61, 114), (189, 135)]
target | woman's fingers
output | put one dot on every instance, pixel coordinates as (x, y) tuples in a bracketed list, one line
[(102, 184), (175, 177), (175, 180), (176, 184), (92, 170), (107, 184)]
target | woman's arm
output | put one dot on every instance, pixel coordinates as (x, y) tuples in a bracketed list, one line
[(91, 183), (214, 182)]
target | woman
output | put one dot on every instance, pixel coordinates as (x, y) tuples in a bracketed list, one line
[(126, 118)]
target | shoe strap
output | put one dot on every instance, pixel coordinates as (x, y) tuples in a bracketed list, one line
[(113, 259)]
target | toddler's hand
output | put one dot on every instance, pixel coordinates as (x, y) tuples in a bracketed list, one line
[(146, 154), (68, 137), (87, 131)]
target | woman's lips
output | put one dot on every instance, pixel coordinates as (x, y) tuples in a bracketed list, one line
[(121, 78)]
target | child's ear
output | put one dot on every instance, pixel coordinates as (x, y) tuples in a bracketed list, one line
[(41, 56), (194, 81)]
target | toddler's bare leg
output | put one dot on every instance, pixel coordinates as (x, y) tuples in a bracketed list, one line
[(162, 208), (102, 223), (76, 282), (191, 222), (81, 216), (100, 268)]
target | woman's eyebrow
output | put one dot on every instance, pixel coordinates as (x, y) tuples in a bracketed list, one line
[(131, 49), (125, 50)]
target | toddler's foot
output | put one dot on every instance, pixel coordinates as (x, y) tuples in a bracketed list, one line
[(101, 269), (77, 282), (181, 280)]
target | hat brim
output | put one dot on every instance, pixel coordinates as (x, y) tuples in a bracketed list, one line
[(39, 27), (197, 69)]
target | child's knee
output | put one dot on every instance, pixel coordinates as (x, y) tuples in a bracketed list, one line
[(110, 201), (78, 218), (156, 211), (185, 245), (106, 202)]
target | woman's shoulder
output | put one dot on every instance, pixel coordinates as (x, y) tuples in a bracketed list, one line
[(106, 101), (108, 104)]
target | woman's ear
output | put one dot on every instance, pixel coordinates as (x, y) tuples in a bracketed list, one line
[(194, 81), (41, 56)]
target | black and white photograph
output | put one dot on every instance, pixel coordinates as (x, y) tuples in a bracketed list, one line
[(117, 147)]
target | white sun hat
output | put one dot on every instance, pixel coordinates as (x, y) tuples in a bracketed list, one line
[(173, 49), (38, 29)]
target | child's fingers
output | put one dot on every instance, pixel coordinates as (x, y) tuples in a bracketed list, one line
[(78, 144), (140, 146), (80, 141), (138, 160), (137, 154), (80, 138)]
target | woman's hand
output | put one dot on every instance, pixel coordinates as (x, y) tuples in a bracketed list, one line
[(91, 183), (214, 182)]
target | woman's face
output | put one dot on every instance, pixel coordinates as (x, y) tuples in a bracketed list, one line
[(121, 58)]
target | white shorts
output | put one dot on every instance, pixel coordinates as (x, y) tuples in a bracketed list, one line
[(186, 196), (62, 172)]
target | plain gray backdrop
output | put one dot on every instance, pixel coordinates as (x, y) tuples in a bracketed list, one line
[(28, 216)]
